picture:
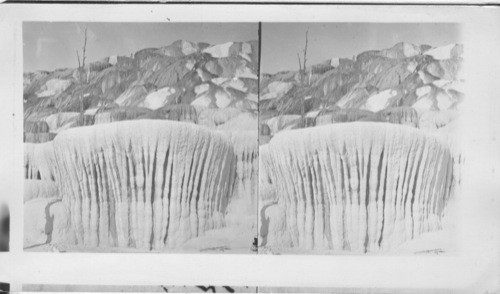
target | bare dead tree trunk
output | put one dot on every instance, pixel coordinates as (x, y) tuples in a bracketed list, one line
[(78, 58), (84, 48), (82, 78), (305, 52), (300, 66), (302, 71)]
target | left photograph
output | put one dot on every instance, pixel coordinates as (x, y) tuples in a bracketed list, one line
[(140, 137)]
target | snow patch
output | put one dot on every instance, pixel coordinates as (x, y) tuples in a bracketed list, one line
[(201, 88), (253, 97), (441, 53), (412, 66), (205, 77), (113, 60), (276, 90), (188, 48), (335, 62), (236, 84), (426, 78), (91, 111), (35, 221), (444, 101), (158, 98), (219, 80), (410, 50), (61, 121), (203, 101), (424, 104), (380, 101), (313, 113), (433, 120), (283, 122), (190, 64), (54, 87), (222, 99), (220, 50), (423, 91), (246, 57), (450, 85), (245, 121), (245, 72), (441, 83), (246, 48)]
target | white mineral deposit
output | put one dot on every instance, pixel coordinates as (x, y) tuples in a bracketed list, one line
[(152, 152), (361, 153)]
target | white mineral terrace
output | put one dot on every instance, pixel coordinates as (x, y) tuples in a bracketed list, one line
[(359, 187), (144, 184)]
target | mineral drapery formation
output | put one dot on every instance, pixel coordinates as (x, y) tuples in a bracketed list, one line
[(452, 135), (359, 186), (147, 184), (266, 191), (39, 161), (246, 152), (37, 132)]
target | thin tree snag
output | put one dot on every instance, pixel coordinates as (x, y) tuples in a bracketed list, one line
[(302, 73), (78, 58), (84, 47), (305, 52)]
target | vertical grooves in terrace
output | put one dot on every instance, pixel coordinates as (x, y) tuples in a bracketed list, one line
[(144, 184), (376, 185)]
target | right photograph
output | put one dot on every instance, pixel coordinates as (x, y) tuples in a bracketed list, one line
[(359, 138)]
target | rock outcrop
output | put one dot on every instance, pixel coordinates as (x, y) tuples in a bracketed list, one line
[(399, 84), (173, 82), (361, 186), (144, 184)]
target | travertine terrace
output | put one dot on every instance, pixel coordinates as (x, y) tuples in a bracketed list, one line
[(361, 186), (144, 184)]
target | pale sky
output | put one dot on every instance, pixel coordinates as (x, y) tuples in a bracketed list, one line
[(52, 45), (282, 41), (48, 46)]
